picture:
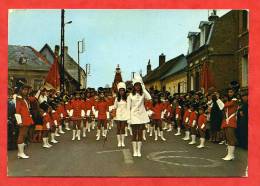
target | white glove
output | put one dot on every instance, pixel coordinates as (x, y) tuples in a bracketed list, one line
[(88, 112), (108, 116), (71, 112), (18, 118), (177, 116), (48, 125), (55, 122), (61, 115), (193, 123), (110, 108), (186, 120), (202, 126), (96, 114), (82, 113), (149, 112), (162, 115)]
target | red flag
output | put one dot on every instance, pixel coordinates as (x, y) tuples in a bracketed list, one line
[(53, 78)]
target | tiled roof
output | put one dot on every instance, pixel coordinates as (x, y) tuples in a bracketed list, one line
[(34, 60), (160, 71), (179, 65)]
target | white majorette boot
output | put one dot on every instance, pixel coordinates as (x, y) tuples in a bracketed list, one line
[(230, 156), (130, 131), (67, 126), (56, 132), (202, 143), (78, 134), (105, 133), (53, 138), (126, 130), (162, 136), (119, 143), (123, 140), (187, 136), (193, 140), (60, 130), (139, 146), (88, 126), (151, 131), (73, 135), (47, 141), (134, 143), (98, 135), (178, 132), (144, 135), (148, 128), (84, 132), (170, 128), (45, 145), (155, 134), (93, 125), (20, 153)]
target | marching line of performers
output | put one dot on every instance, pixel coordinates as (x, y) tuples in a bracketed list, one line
[(138, 112)]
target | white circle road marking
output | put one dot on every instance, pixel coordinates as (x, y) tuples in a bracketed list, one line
[(160, 157)]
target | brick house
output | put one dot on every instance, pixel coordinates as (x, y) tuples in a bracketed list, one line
[(212, 59)]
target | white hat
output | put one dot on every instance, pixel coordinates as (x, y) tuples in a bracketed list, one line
[(121, 85), (137, 79)]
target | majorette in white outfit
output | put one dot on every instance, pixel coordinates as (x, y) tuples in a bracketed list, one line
[(121, 117), (138, 116)]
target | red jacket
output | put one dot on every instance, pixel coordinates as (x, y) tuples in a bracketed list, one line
[(178, 113), (230, 116), (102, 108), (77, 105), (186, 116), (202, 121), (193, 118), (46, 119), (157, 110), (22, 108)]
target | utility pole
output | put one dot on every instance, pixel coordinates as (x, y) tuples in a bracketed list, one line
[(87, 73), (80, 50)]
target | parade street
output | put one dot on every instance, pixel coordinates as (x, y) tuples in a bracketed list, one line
[(88, 157)]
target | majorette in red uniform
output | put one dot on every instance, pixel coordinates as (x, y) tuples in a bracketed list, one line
[(202, 123), (47, 123), (63, 114), (229, 124), (55, 117), (157, 111), (76, 114), (23, 117), (101, 113), (148, 105), (87, 106), (185, 121), (177, 117), (193, 122)]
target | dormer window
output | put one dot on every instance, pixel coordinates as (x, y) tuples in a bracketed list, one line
[(23, 60), (204, 32)]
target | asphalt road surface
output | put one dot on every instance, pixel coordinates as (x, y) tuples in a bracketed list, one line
[(91, 158)]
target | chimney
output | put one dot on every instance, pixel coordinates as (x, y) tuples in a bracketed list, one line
[(161, 59), (149, 67), (65, 49), (57, 50), (213, 16)]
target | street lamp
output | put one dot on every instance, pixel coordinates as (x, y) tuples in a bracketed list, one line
[(62, 45), (82, 42)]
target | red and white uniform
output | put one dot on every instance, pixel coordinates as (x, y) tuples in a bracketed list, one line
[(186, 116), (101, 108), (157, 111), (178, 113), (47, 121), (23, 115), (193, 119), (76, 108), (230, 119), (202, 121)]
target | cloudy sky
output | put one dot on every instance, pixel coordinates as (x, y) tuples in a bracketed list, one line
[(125, 37)]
